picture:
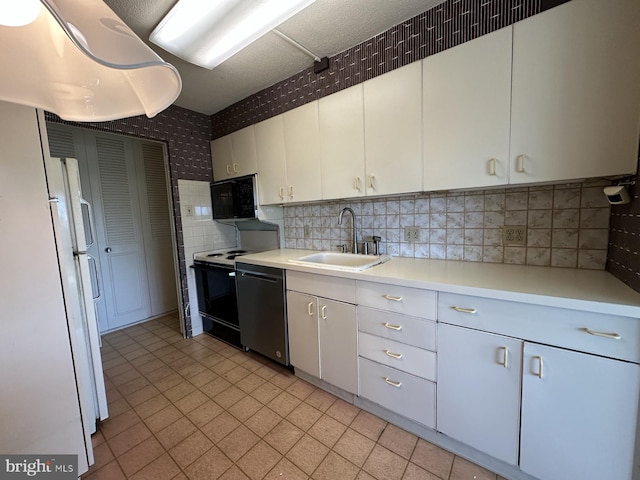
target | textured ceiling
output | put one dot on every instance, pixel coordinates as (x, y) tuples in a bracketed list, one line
[(326, 27)]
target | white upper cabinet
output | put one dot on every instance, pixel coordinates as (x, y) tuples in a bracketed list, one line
[(234, 155), (466, 103), (302, 149), (272, 177), (342, 143), (576, 96), (243, 152), (221, 157), (393, 131)]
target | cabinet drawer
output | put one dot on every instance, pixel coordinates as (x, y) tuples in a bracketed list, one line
[(409, 396), (561, 327), (398, 355), (394, 326), (342, 289), (406, 300)]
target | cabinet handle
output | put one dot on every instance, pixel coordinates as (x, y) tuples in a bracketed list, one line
[(310, 309), (539, 372), (281, 193), (371, 178), (228, 169), (470, 311), (505, 357), (323, 312), (389, 353), (235, 168), (613, 336), (290, 191), (520, 167), (392, 383), (392, 327), (392, 298), (356, 183), (492, 167)]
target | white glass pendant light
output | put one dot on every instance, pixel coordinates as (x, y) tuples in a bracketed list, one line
[(207, 32), (18, 13), (78, 60)]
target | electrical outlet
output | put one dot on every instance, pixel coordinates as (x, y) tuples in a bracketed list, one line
[(411, 234), (514, 235), (189, 210), (307, 231)]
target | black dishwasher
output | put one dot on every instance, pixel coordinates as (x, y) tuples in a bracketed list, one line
[(262, 311)]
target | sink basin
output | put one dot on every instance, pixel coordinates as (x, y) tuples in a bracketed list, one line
[(348, 262)]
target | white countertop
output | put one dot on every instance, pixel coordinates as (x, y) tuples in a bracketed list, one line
[(589, 290)]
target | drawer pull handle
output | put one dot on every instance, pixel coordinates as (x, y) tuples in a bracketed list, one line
[(323, 312), (392, 383), (310, 309), (389, 353), (505, 358), (613, 336), (539, 372), (470, 311), (392, 298), (392, 327)]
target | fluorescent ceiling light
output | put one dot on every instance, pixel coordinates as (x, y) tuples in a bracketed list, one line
[(207, 32), (78, 60)]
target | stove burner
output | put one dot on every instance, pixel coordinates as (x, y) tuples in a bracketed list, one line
[(214, 255), (231, 257), (230, 252)]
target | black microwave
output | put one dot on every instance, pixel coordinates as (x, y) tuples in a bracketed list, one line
[(234, 198)]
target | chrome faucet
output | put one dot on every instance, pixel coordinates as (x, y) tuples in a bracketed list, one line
[(354, 246)]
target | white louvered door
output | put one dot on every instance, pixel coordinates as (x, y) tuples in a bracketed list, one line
[(119, 230), (158, 243)]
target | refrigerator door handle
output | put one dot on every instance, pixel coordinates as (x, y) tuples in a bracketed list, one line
[(90, 229), (92, 259)]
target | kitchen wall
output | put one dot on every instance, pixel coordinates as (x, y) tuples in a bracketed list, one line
[(187, 135), (624, 240), (567, 225), (200, 233)]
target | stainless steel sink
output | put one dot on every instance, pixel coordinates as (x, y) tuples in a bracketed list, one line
[(348, 262)]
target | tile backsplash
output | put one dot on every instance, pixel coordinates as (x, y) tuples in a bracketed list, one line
[(567, 225)]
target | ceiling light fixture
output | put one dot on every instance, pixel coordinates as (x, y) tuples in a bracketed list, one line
[(206, 33), (81, 62)]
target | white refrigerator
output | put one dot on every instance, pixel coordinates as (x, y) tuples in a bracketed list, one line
[(74, 233)]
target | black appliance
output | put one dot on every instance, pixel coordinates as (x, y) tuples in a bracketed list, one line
[(217, 305), (262, 311), (234, 199)]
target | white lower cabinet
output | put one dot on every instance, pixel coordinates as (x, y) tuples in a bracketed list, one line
[(479, 390), (579, 415), (322, 332)]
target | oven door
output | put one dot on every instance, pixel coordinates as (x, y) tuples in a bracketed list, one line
[(217, 304)]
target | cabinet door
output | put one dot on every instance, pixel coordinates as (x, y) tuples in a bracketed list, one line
[(342, 143), (271, 161), (479, 390), (243, 152), (393, 131), (221, 158), (302, 318), (466, 114), (576, 101), (579, 415), (302, 147), (338, 344)]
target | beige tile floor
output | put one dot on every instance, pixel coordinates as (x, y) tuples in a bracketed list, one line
[(198, 409)]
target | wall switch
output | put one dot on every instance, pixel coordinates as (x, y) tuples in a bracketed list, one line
[(514, 236), (189, 210), (307, 231), (411, 234)]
